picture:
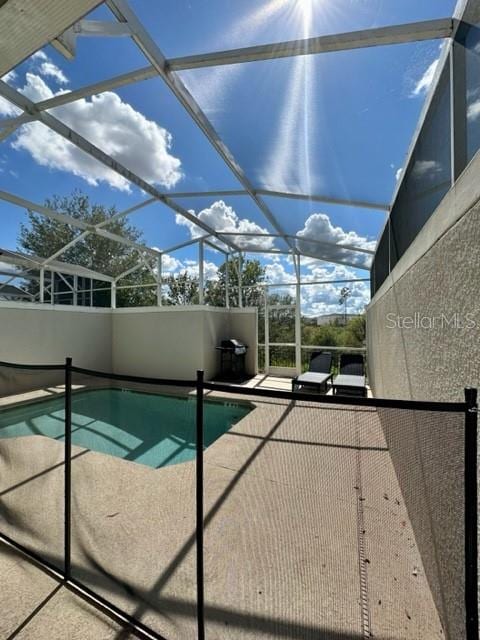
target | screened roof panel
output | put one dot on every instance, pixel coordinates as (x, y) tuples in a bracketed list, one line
[(112, 56), (200, 168), (335, 125), (144, 128), (295, 124), (158, 223), (334, 223), (228, 24), (228, 213), (258, 242)]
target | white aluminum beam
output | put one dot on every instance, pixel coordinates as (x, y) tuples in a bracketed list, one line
[(75, 222), (145, 73), (203, 194), (381, 36), (15, 97), (128, 272), (61, 251), (201, 283), (126, 212), (147, 45), (361, 204), (187, 243), (299, 239), (227, 283), (328, 260), (102, 28), (49, 213), (159, 281)]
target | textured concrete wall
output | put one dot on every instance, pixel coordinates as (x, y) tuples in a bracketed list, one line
[(439, 355), (36, 334), (159, 342), (244, 327), (436, 284), (423, 329), (175, 342)]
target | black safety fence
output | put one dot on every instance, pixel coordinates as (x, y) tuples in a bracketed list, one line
[(311, 515)]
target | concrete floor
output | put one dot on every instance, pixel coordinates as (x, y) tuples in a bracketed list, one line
[(306, 536)]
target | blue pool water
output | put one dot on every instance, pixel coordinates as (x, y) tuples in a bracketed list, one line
[(147, 428)]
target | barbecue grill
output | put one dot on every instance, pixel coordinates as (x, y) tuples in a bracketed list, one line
[(232, 359)]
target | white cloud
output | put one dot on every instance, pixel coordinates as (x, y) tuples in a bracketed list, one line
[(319, 299), (276, 273), (173, 266), (109, 123), (426, 167), (7, 109), (170, 264), (320, 228), (398, 174), (222, 217), (39, 55), (425, 82), (10, 76), (473, 111), (323, 299), (50, 69), (210, 270)]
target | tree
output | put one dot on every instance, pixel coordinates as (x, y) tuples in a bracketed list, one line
[(43, 237), (253, 275), (182, 289), (354, 332)]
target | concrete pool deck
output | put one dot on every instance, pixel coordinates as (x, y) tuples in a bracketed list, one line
[(306, 535)]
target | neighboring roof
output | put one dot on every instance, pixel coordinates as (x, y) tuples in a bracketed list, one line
[(35, 262)]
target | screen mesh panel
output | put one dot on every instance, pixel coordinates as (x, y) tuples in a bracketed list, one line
[(133, 499), (311, 528), (320, 519), (32, 459), (427, 451)]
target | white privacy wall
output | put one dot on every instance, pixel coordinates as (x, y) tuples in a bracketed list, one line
[(46, 334), (169, 342), (173, 342)]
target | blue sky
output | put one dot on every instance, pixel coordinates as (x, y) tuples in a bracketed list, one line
[(335, 124)]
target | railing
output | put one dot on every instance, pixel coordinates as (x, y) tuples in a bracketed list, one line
[(283, 354)]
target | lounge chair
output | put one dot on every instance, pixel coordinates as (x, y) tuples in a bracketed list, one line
[(318, 373), (351, 379)]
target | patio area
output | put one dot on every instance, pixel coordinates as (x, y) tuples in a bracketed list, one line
[(306, 495), (195, 192)]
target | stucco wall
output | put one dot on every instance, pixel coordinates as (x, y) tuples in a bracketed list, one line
[(160, 342), (244, 327), (423, 330), (36, 334), (175, 342), (436, 284)]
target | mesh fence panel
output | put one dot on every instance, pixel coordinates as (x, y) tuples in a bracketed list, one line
[(427, 451), (133, 499), (321, 520), (32, 459), (327, 519)]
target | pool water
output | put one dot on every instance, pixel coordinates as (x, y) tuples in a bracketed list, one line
[(151, 429)]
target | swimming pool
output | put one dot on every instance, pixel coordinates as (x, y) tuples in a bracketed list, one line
[(155, 430)]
